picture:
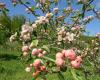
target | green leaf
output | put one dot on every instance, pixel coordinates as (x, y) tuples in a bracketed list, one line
[(33, 79), (47, 58), (35, 42), (45, 47), (61, 77), (74, 74), (33, 8)]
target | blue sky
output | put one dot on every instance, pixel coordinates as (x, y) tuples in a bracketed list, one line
[(92, 28)]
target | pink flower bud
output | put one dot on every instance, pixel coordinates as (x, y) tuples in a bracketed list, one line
[(43, 68), (40, 55), (78, 59), (70, 54), (59, 55), (35, 51), (25, 48), (44, 52), (59, 62), (63, 52), (31, 65), (25, 53), (75, 64), (35, 73), (37, 63), (40, 50)]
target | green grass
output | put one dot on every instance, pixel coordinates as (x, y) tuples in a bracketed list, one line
[(12, 68)]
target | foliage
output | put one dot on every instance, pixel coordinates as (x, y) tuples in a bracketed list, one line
[(9, 25)]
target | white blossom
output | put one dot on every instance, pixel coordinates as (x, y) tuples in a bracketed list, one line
[(28, 69)]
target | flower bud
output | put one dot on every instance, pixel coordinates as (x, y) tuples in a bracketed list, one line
[(49, 15), (34, 25), (56, 10), (43, 68), (75, 64), (40, 55), (37, 63), (70, 54), (35, 73), (35, 51), (28, 69), (59, 55), (59, 62), (44, 52), (25, 53), (25, 49), (78, 59)]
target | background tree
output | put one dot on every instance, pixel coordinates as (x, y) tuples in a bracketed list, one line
[(9, 25)]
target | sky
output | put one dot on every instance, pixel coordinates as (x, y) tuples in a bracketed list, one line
[(93, 27)]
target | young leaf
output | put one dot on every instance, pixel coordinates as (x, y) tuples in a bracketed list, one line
[(33, 8), (45, 47), (35, 42)]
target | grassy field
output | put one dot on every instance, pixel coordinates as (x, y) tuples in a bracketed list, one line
[(12, 68)]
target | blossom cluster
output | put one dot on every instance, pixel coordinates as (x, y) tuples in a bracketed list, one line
[(26, 32), (39, 68), (68, 54)]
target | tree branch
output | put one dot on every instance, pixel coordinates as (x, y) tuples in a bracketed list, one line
[(28, 8), (84, 8)]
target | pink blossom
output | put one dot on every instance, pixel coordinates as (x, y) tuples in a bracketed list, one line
[(40, 55), (44, 52), (59, 55), (40, 50), (75, 64), (25, 53), (59, 62), (64, 51), (70, 54), (78, 59), (37, 63), (25, 48), (35, 51)]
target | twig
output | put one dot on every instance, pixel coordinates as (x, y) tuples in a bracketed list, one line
[(28, 8), (84, 8)]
